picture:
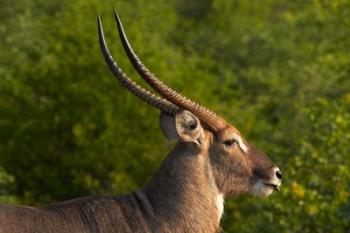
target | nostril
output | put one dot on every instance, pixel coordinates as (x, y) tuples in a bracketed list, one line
[(279, 174)]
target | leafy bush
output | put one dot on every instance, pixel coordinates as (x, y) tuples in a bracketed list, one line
[(278, 70)]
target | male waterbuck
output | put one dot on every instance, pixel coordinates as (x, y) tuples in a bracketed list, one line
[(210, 161)]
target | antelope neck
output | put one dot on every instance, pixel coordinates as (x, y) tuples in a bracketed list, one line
[(183, 193)]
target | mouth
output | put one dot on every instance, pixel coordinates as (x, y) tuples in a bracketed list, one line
[(274, 186), (265, 188)]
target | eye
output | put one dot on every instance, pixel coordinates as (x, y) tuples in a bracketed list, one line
[(230, 142)]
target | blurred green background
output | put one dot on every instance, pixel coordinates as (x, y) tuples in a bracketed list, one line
[(279, 70)]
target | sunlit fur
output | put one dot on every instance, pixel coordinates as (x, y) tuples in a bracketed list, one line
[(200, 172)]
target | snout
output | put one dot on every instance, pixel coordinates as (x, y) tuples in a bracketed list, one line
[(278, 173), (264, 186), (276, 179)]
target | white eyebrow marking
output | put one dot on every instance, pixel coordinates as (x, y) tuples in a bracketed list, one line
[(241, 143)]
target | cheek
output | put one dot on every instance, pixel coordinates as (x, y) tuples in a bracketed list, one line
[(232, 174), (239, 164), (234, 164)]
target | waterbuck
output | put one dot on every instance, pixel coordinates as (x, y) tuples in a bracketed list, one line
[(210, 161)]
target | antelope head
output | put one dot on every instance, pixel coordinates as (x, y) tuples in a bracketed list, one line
[(236, 166)]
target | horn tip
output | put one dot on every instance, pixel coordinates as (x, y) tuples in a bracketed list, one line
[(98, 18), (117, 19), (116, 14)]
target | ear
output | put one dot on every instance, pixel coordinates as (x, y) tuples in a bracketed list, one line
[(167, 124), (184, 126)]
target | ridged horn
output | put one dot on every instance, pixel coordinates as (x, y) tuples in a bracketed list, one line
[(155, 101), (210, 118)]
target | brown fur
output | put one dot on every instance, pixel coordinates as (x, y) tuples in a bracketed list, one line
[(181, 196), (186, 193)]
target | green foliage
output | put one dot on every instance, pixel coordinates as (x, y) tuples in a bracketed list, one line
[(6, 182), (279, 70)]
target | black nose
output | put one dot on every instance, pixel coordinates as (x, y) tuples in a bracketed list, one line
[(279, 174)]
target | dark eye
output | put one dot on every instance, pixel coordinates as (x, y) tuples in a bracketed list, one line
[(230, 142)]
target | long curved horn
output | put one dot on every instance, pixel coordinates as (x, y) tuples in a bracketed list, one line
[(210, 118), (138, 91)]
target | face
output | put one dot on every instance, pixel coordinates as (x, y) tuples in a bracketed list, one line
[(239, 168)]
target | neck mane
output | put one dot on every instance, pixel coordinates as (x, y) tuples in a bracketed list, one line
[(183, 193)]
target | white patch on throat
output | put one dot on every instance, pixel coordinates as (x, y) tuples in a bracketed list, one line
[(220, 205), (218, 197)]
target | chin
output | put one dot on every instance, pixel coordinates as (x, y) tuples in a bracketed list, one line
[(262, 190)]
